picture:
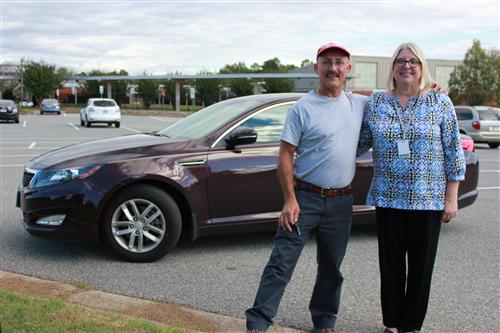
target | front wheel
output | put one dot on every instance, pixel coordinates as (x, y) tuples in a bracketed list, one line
[(117, 124), (493, 144), (142, 223)]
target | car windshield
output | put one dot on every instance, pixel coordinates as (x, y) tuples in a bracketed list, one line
[(49, 101), (7, 103), (209, 119), (489, 114), (104, 103)]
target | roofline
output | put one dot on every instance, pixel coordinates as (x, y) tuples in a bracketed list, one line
[(197, 76)]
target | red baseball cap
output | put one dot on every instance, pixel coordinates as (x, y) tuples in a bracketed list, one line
[(332, 46)]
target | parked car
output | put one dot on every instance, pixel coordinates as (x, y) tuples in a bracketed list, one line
[(482, 123), (8, 110), (100, 110), (50, 105), (26, 103), (210, 173)]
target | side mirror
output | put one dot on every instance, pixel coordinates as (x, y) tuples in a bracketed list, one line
[(241, 136)]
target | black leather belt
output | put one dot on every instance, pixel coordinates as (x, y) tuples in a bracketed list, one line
[(324, 192)]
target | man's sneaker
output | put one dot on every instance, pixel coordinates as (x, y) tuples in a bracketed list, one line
[(255, 331)]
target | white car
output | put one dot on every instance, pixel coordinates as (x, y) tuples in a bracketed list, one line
[(100, 110)]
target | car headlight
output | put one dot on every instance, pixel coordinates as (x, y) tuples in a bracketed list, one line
[(57, 176)]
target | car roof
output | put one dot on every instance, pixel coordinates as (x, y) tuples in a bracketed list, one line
[(6, 100), (101, 99)]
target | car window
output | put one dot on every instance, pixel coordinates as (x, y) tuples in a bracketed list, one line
[(104, 103), (209, 119), (463, 114), (489, 114), (7, 103), (268, 124)]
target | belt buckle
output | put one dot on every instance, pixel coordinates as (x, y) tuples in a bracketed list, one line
[(322, 194)]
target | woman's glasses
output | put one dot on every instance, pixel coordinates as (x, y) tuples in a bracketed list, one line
[(412, 62)]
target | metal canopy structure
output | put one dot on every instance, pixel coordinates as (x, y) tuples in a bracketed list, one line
[(179, 77)]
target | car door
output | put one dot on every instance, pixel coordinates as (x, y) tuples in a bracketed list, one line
[(242, 181)]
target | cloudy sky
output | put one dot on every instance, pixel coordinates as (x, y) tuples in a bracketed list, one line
[(161, 37)]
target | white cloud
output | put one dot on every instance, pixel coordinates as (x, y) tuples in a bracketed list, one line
[(161, 37)]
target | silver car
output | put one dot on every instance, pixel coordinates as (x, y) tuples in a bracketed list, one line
[(481, 123), (50, 105), (100, 110)]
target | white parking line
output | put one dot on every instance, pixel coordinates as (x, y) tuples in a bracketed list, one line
[(70, 124), (32, 145), (159, 119), (489, 188), (11, 165), (131, 129), (24, 123), (18, 155), (489, 170), (489, 160)]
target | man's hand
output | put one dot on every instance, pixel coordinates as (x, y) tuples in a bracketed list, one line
[(450, 210), (289, 215), (437, 87)]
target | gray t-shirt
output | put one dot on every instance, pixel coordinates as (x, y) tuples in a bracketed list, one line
[(325, 131)]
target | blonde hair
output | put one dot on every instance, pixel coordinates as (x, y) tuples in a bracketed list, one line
[(425, 79)]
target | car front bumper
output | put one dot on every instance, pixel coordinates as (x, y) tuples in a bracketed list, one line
[(71, 200), (8, 116)]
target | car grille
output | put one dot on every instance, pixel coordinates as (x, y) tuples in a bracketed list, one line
[(27, 176)]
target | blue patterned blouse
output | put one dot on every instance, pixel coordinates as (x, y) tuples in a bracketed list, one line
[(416, 181)]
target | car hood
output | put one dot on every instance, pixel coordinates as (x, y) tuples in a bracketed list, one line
[(108, 150)]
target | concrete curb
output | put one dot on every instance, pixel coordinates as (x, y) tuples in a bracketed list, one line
[(162, 313)]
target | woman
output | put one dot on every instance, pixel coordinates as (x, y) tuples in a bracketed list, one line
[(418, 164)]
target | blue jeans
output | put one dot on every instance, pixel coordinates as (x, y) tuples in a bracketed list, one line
[(331, 218)]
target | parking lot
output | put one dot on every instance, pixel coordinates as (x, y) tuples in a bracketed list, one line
[(220, 274)]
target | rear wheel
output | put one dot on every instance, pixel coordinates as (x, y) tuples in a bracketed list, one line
[(117, 124), (16, 120), (41, 112), (142, 223), (493, 145)]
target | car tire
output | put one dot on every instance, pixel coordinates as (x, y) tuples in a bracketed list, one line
[(117, 124), (41, 112), (493, 144), (109, 124), (130, 234), (81, 121), (87, 123), (58, 112), (16, 120)]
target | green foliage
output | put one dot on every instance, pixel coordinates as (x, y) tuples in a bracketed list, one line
[(477, 80), (148, 89), (306, 62), (8, 88), (118, 88), (208, 90), (277, 85), (41, 79), (240, 87)]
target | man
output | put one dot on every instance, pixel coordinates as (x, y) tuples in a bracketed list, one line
[(322, 129)]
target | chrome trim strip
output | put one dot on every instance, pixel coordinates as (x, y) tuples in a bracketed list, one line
[(192, 162), (246, 118)]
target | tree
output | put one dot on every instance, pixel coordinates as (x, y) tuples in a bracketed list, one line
[(118, 88), (148, 89), (240, 87), (477, 80), (208, 89), (41, 79), (306, 62), (277, 85)]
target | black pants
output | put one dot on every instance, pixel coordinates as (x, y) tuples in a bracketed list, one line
[(401, 234)]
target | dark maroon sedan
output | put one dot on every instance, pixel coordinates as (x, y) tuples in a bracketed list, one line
[(210, 173)]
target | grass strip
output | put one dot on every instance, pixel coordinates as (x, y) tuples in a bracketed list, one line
[(20, 313)]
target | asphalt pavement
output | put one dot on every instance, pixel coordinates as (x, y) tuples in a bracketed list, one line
[(220, 274)]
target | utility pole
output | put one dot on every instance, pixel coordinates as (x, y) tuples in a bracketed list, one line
[(22, 82)]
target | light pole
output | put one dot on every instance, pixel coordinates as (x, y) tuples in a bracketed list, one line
[(22, 82)]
